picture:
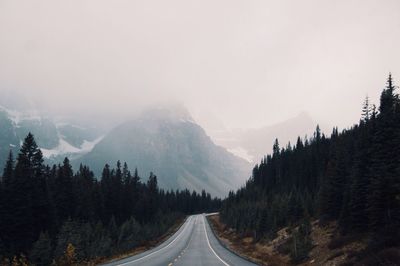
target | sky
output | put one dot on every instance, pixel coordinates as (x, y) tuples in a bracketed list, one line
[(241, 64)]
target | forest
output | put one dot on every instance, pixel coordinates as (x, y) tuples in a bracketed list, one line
[(352, 177), (50, 213)]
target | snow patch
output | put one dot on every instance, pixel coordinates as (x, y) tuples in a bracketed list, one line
[(87, 146), (63, 124), (16, 117), (62, 148), (65, 148), (187, 121), (242, 153)]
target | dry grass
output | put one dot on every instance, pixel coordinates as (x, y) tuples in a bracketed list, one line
[(260, 253), (329, 247)]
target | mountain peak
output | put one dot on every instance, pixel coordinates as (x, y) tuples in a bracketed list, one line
[(169, 112), (166, 141)]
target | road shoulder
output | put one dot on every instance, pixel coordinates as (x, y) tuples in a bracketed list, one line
[(241, 246)]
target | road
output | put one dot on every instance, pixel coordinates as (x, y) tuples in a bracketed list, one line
[(193, 244)]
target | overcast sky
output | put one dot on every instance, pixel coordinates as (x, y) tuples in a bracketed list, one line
[(245, 63)]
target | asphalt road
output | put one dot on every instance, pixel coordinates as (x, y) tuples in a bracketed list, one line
[(193, 244)]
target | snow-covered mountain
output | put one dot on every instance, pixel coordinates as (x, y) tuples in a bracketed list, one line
[(56, 139)]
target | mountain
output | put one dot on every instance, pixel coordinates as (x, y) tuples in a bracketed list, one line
[(163, 140), (169, 143), (56, 139), (253, 144)]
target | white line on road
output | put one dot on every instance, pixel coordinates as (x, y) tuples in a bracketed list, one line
[(190, 240), (189, 219), (208, 242)]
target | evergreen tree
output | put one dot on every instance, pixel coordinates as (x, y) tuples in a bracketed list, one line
[(6, 193), (101, 244), (42, 251), (366, 110), (384, 184), (64, 197), (331, 195), (129, 235), (358, 214), (27, 206), (8, 170)]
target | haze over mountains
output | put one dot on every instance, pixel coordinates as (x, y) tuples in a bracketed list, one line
[(169, 143), (165, 140), (253, 144), (56, 137)]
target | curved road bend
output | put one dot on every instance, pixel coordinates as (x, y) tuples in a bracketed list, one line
[(193, 244)]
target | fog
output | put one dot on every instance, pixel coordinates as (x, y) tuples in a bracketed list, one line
[(238, 63)]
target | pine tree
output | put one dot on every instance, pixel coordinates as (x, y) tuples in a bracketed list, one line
[(64, 197), (384, 188), (127, 193), (331, 194), (358, 216), (117, 183), (28, 205), (8, 170), (152, 184), (101, 244), (6, 193), (275, 148), (106, 193), (84, 195), (42, 251), (366, 110), (113, 229)]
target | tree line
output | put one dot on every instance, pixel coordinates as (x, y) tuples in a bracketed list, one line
[(46, 211), (352, 177)]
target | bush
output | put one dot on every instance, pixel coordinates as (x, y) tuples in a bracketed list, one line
[(69, 257)]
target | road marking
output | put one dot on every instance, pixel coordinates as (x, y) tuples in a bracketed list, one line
[(190, 240), (188, 221), (208, 242)]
